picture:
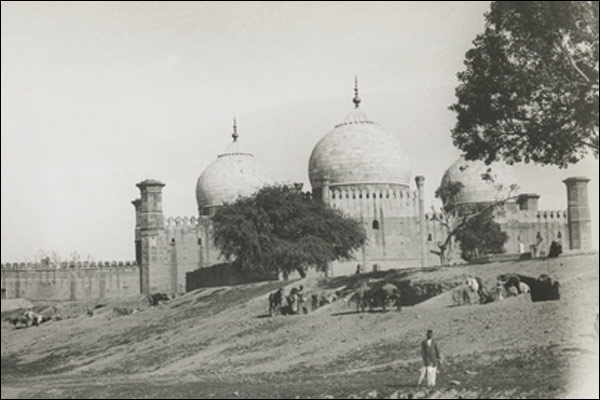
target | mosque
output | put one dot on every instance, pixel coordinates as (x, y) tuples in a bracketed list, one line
[(360, 168)]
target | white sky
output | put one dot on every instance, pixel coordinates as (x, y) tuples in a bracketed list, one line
[(97, 97)]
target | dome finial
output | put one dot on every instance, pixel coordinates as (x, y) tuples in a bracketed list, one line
[(356, 99), (234, 135)]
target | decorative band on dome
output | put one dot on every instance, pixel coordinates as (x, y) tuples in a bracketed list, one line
[(235, 154)]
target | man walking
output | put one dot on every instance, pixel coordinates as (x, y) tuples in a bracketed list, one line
[(431, 359)]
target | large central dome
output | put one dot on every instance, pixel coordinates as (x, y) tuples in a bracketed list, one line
[(358, 151), (233, 174)]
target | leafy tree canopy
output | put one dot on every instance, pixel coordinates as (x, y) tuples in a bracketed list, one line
[(481, 235), (530, 88), (281, 229)]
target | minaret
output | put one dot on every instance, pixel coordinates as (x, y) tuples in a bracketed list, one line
[(137, 236), (420, 180), (578, 213)]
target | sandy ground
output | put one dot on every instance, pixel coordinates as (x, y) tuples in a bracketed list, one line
[(220, 343)]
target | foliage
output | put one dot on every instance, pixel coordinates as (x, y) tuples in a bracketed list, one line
[(52, 257), (530, 88), (469, 223), (281, 229), (448, 192), (481, 235)]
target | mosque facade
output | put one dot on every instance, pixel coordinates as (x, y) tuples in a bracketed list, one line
[(361, 169)]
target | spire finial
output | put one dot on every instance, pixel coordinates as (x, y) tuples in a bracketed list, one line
[(234, 135), (356, 99)]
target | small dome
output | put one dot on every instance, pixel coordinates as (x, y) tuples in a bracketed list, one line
[(233, 174), (358, 151), (481, 183)]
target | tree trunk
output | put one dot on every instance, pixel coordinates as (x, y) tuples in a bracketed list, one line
[(301, 271)]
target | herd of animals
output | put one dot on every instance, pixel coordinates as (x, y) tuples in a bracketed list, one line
[(369, 295), (366, 296), (29, 317)]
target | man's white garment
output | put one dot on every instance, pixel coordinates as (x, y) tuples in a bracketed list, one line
[(430, 373)]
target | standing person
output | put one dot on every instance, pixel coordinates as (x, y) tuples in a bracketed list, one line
[(431, 359)]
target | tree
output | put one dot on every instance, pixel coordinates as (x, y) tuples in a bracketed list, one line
[(481, 235), (530, 88), (463, 221), (52, 257), (281, 229)]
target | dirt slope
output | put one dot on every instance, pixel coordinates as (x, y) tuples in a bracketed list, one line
[(216, 334)]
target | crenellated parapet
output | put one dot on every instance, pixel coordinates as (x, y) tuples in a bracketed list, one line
[(433, 216), (361, 193), (172, 222), (83, 265), (552, 215)]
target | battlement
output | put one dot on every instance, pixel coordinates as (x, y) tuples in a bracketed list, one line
[(338, 194), (70, 265), (181, 221), (552, 214), (433, 216)]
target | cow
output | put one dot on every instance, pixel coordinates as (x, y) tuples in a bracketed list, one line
[(513, 291), (362, 296), (35, 318), (500, 291), (523, 288), (473, 284), (19, 321), (275, 300), (382, 295), (158, 298)]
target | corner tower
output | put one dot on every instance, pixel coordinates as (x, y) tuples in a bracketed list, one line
[(154, 276)]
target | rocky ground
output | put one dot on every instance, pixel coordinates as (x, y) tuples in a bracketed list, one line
[(220, 343)]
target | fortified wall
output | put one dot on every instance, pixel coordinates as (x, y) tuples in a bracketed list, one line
[(70, 281)]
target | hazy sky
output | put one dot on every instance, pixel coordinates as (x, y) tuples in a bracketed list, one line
[(97, 97)]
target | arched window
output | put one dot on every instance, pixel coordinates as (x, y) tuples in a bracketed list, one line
[(173, 241), (375, 224), (429, 238), (559, 235)]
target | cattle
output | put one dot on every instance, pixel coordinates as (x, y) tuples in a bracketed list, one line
[(473, 284), (319, 300), (20, 321), (158, 298), (513, 291), (545, 288), (523, 288), (35, 318), (275, 300), (362, 296), (384, 294), (484, 295), (500, 291)]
